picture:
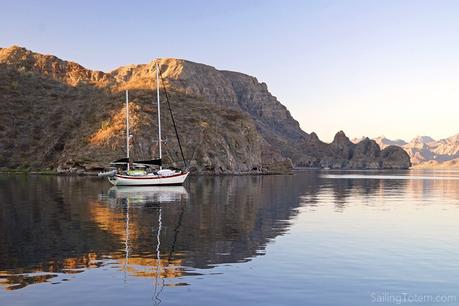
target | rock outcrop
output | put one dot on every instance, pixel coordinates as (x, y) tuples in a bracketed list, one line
[(366, 154), (59, 115)]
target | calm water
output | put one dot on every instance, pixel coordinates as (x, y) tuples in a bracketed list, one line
[(313, 238)]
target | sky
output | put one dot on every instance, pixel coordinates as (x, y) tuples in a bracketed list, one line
[(369, 68)]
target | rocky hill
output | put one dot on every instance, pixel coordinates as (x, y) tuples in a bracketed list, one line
[(426, 152), (366, 154), (57, 114), (435, 164)]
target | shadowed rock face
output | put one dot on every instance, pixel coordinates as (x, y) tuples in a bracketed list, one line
[(58, 114), (342, 153)]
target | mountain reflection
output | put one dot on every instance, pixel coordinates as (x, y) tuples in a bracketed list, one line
[(53, 227)]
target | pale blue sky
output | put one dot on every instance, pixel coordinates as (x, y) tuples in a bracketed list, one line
[(366, 67)]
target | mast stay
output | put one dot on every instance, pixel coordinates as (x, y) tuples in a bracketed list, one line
[(159, 113), (170, 112), (127, 128)]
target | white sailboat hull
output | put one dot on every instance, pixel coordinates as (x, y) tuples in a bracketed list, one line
[(148, 180)]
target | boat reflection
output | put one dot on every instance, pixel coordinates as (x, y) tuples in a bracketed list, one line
[(147, 194), (159, 267)]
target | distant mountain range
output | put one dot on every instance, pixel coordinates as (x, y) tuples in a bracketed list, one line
[(426, 152)]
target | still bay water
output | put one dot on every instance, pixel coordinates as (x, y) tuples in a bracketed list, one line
[(312, 238)]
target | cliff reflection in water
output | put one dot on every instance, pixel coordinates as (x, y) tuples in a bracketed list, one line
[(53, 227), (56, 226)]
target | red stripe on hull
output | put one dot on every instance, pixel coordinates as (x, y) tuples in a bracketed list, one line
[(149, 177)]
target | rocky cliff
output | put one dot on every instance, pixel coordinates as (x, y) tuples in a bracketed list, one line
[(366, 154), (59, 115)]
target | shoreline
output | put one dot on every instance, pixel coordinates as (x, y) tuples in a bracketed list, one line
[(95, 174), (292, 172)]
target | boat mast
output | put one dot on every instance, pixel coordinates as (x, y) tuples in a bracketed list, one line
[(159, 112), (127, 128)]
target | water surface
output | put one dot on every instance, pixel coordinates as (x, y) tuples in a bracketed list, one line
[(313, 238)]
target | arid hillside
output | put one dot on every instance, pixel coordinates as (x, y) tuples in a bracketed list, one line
[(57, 114)]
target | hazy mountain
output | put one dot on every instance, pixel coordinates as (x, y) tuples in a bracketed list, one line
[(384, 142), (58, 114), (424, 149), (449, 164), (422, 140), (426, 152)]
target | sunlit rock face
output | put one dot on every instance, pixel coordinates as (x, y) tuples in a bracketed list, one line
[(59, 115), (426, 152)]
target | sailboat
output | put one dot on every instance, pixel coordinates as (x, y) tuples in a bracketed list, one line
[(141, 173)]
